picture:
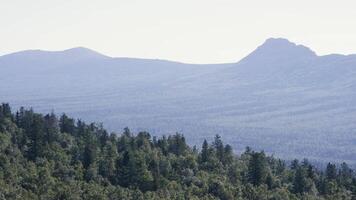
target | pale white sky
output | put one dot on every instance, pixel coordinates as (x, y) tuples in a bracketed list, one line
[(194, 31)]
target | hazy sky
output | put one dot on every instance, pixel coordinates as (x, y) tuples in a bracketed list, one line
[(195, 31)]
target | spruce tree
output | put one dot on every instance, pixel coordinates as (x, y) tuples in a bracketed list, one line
[(257, 169)]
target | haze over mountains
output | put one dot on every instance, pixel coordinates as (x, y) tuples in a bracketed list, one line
[(281, 96)]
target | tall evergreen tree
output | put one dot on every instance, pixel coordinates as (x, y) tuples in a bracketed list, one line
[(219, 148), (204, 152), (300, 181), (66, 124), (257, 169), (331, 171)]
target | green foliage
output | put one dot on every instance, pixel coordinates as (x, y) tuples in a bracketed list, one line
[(43, 157), (257, 168)]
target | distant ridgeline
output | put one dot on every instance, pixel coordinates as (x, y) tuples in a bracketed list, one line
[(281, 91), (45, 157)]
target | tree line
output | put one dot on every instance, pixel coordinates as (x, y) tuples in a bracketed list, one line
[(50, 157)]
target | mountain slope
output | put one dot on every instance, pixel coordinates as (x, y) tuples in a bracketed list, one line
[(281, 96)]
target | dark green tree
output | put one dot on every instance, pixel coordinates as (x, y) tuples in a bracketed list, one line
[(331, 172), (300, 181), (257, 168), (219, 148), (204, 156)]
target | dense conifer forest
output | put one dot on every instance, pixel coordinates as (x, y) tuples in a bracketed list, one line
[(50, 157)]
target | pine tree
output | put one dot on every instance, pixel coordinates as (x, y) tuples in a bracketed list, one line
[(89, 154), (257, 169), (163, 145), (36, 135), (67, 125), (299, 183), (51, 127), (107, 161), (204, 156), (331, 171), (344, 175), (228, 155), (133, 171), (5, 110), (177, 144), (219, 148)]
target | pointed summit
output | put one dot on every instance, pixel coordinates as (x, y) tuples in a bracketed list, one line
[(281, 44), (280, 49)]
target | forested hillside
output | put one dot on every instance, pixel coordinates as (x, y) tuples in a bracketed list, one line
[(49, 157)]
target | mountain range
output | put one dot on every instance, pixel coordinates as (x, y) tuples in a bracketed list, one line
[(281, 96)]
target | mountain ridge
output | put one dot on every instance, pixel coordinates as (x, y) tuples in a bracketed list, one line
[(268, 44), (293, 102)]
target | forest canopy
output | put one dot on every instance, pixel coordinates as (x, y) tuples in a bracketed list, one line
[(50, 157)]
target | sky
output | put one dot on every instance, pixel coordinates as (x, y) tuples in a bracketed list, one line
[(192, 31)]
